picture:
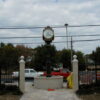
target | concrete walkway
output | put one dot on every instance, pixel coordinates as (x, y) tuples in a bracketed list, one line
[(39, 94)]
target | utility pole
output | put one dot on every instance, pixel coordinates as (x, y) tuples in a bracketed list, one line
[(96, 70), (71, 51), (66, 25), (95, 62), (0, 75), (0, 69)]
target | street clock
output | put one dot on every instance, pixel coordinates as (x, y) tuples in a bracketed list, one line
[(48, 34)]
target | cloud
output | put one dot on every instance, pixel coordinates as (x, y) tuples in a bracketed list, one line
[(49, 12)]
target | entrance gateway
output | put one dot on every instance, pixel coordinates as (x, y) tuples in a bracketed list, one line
[(48, 81)]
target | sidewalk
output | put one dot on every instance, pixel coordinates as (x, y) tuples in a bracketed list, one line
[(39, 94)]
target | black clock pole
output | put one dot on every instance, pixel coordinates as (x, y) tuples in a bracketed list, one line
[(48, 68), (48, 31), (48, 61)]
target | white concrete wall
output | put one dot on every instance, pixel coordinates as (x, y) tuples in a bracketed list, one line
[(54, 82)]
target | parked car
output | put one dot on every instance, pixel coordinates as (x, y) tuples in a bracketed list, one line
[(29, 73)]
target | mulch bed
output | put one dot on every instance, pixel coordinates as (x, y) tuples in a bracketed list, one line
[(89, 89), (9, 97), (9, 89)]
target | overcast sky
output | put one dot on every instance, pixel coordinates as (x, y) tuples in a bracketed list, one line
[(51, 12)]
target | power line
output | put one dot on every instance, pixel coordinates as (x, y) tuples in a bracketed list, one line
[(20, 27), (16, 43), (55, 36), (85, 35), (20, 37), (60, 41), (79, 35), (86, 40), (78, 41), (84, 25), (53, 26)]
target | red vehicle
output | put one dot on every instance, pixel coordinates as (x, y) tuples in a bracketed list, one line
[(64, 74)]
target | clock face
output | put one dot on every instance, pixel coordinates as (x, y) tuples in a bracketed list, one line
[(48, 34)]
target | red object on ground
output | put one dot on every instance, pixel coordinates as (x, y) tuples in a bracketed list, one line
[(51, 89), (58, 74)]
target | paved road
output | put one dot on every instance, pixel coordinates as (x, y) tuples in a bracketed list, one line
[(39, 94)]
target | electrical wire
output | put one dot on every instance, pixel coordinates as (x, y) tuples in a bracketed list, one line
[(86, 40), (55, 36), (19, 37), (53, 26), (78, 41), (85, 35), (59, 41), (84, 25)]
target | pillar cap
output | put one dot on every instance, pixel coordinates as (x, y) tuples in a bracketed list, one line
[(75, 57), (22, 57)]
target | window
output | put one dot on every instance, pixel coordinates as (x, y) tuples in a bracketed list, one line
[(26, 71), (32, 71)]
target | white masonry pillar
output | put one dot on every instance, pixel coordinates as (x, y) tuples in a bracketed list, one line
[(22, 74), (75, 73)]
